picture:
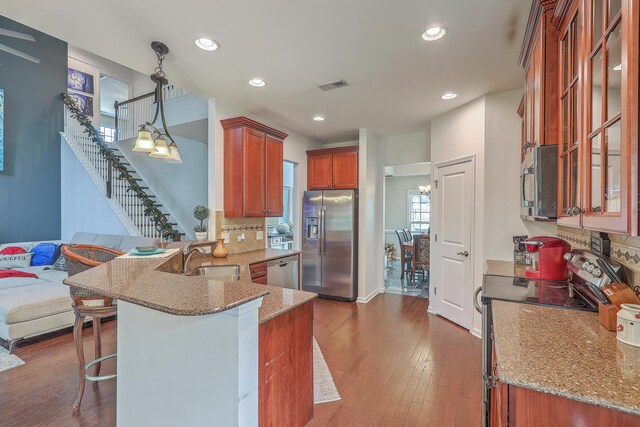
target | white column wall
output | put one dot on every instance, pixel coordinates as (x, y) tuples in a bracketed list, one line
[(370, 217), (187, 370)]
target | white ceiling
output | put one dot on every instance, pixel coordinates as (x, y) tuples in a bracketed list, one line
[(395, 77)]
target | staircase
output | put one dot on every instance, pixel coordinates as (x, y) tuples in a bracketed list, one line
[(126, 193)]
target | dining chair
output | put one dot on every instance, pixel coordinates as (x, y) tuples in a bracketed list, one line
[(421, 256), (405, 256), (85, 303)]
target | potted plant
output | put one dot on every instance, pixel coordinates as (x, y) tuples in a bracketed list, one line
[(201, 213)]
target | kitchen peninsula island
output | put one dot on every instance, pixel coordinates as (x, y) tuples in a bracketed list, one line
[(189, 351)]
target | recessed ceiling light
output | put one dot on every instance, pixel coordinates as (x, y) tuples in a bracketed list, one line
[(434, 33), (207, 44), (257, 82), (318, 118), (617, 67), (449, 95)]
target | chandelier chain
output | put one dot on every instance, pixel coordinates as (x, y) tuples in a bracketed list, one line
[(158, 70)]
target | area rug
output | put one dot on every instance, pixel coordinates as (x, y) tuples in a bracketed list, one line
[(324, 389), (8, 361)]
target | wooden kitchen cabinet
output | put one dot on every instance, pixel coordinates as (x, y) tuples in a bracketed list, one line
[(285, 368), (588, 105), (253, 162), (569, 164), (610, 122), (333, 169), (601, 107), (319, 171), (539, 58)]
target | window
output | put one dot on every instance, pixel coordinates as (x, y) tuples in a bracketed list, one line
[(108, 133), (287, 205), (286, 202), (419, 209)]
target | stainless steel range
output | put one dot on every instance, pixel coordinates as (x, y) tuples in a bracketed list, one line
[(588, 272)]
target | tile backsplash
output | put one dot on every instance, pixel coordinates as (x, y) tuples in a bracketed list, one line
[(624, 249), (238, 226)]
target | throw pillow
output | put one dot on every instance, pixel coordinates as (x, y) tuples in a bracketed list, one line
[(60, 263), (43, 254), (15, 261), (12, 250)]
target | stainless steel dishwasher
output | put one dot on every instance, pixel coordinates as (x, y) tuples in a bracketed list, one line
[(283, 272)]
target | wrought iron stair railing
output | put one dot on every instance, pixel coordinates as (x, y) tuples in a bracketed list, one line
[(120, 182)]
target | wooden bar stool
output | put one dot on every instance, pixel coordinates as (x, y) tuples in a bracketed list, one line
[(85, 303)]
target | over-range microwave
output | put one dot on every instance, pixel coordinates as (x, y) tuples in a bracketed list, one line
[(538, 184)]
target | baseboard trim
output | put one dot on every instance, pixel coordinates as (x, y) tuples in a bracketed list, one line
[(372, 295), (431, 310)]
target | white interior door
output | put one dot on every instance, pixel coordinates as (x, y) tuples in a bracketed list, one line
[(452, 263)]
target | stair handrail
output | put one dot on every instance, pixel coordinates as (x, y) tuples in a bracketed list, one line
[(161, 221)]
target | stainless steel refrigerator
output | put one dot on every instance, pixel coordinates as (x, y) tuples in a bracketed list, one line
[(330, 243)]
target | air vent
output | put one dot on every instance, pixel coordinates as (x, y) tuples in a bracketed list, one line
[(334, 85)]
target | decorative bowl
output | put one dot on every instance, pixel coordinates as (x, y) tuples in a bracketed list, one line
[(146, 248), (283, 228)]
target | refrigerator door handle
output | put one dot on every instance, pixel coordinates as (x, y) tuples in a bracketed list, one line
[(324, 229), (320, 232)]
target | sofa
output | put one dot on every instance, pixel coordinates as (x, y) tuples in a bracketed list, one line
[(30, 307)]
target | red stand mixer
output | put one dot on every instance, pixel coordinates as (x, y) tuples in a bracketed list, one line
[(548, 261)]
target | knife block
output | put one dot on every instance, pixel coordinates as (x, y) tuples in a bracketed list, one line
[(607, 315)]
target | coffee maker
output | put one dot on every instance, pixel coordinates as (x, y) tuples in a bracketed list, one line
[(547, 258)]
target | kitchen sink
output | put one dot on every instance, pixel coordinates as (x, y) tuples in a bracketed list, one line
[(226, 273)]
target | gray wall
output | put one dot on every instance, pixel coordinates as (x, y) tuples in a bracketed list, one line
[(33, 118)]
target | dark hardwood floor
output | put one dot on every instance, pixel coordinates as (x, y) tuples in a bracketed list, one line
[(393, 364), (396, 365)]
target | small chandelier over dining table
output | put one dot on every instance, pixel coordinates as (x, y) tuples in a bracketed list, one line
[(153, 141), (425, 190)]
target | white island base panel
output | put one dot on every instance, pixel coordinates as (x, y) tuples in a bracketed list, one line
[(187, 370)]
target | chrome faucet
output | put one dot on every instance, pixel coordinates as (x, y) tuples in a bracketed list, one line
[(187, 257)]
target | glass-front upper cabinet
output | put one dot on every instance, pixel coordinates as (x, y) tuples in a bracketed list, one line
[(608, 90), (569, 201)]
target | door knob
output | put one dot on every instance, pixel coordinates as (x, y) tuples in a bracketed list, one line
[(465, 253)]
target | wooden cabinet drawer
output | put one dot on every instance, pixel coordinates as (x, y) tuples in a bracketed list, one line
[(258, 270)]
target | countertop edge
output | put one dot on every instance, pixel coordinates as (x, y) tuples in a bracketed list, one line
[(568, 395), (165, 309), (288, 308), (69, 281)]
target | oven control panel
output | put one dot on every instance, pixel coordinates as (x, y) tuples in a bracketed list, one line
[(583, 264)]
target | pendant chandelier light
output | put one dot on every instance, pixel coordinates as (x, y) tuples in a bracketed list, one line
[(146, 143)]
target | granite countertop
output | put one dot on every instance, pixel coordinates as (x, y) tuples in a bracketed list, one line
[(157, 284), (278, 300), (566, 353), (504, 268)]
